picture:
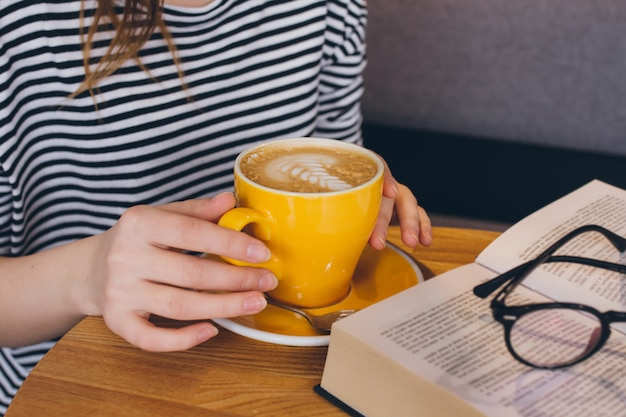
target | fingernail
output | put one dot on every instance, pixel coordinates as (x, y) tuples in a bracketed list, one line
[(267, 282), (394, 185), (258, 253), (207, 333), (254, 304), (382, 240)]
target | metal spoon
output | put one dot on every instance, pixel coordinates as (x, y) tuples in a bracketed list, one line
[(321, 323)]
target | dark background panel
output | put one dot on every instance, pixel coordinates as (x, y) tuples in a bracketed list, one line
[(486, 179)]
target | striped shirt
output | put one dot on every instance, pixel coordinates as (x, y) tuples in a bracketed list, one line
[(254, 70)]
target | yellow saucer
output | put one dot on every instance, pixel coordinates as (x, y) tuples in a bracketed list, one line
[(379, 275)]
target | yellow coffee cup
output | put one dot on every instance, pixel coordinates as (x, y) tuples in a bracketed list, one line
[(314, 202)]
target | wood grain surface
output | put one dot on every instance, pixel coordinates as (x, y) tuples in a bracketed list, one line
[(92, 372)]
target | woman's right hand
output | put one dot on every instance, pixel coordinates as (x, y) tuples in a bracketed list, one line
[(140, 269)]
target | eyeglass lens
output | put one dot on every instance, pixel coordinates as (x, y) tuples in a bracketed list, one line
[(554, 337)]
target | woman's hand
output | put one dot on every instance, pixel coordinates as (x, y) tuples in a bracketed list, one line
[(141, 269), (399, 204)]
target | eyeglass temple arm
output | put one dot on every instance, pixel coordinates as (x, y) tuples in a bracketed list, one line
[(487, 287), (616, 240)]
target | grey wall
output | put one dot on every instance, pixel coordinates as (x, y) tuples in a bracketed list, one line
[(548, 72)]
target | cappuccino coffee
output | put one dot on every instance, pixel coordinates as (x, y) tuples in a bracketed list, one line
[(307, 168)]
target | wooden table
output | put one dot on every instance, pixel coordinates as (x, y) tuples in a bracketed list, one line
[(92, 372)]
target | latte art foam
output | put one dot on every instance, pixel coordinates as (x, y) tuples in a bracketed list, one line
[(312, 169), (308, 169)]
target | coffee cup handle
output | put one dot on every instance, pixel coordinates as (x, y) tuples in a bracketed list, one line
[(240, 217)]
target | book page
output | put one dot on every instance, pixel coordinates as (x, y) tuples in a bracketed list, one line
[(595, 203), (446, 334)]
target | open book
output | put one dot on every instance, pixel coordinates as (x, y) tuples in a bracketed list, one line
[(435, 350)]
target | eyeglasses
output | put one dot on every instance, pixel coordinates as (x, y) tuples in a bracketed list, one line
[(553, 335)]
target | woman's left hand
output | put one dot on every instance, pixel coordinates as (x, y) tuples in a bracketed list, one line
[(400, 205)]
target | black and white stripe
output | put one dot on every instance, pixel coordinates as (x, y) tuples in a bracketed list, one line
[(255, 70)]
